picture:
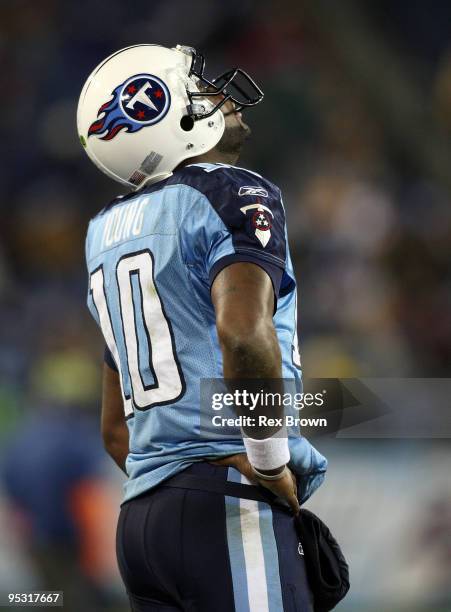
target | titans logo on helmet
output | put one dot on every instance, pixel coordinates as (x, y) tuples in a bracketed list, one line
[(138, 102)]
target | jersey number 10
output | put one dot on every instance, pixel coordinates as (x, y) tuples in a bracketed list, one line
[(145, 330)]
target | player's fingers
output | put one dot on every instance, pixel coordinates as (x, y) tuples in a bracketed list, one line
[(240, 462), (294, 504), (242, 465), (292, 498)]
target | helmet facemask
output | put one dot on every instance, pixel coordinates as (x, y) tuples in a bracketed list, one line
[(235, 85)]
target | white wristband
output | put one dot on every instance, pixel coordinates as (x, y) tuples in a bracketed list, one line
[(267, 454)]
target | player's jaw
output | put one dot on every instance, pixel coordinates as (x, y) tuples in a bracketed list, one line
[(238, 116), (231, 115), (236, 133)]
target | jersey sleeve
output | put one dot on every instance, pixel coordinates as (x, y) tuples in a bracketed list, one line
[(246, 222)]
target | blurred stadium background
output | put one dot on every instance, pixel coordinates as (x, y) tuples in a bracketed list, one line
[(356, 128)]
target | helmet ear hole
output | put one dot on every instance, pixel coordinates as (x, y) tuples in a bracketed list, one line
[(187, 123)]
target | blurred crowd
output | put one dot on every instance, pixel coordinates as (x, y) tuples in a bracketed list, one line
[(355, 128)]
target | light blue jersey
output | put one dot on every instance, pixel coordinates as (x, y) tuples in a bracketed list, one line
[(152, 256)]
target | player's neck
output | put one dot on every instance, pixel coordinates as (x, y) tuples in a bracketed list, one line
[(213, 157)]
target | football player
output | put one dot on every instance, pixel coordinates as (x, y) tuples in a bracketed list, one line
[(190, 281)]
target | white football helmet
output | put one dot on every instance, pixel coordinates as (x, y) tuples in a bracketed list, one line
[(146, 108)]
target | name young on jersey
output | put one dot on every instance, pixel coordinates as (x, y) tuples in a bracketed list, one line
[(123, 222)]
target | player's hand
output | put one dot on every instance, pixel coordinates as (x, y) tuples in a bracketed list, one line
[(241, 463), (284, 487)]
